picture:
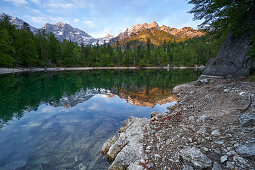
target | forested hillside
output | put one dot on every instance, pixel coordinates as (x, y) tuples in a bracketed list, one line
[(21, 48)]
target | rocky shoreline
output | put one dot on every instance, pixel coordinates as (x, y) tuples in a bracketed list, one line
[(211, 127)]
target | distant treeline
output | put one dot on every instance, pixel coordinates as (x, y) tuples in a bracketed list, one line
[(21, 48)]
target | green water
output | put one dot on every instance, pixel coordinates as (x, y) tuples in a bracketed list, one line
[(60, 120)]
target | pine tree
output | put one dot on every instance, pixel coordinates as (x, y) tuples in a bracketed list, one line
[(54, 53), (25, 48), (148, 51), (6, 50), (221, 15), (26, 27)]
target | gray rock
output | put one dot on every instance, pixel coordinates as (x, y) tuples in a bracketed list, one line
[(205, 149), (124, 150), (156, 114), (196, 157), (231, 165), (106, 146), (127, 123), (247, 119), (187, 167), (216, 132), (219, 142), (182, 87), (223, 158), (240, 160), (231, 153), (135, 166), (232, 59), (204, 80), (217, 151), (216, 166), (246, 150)]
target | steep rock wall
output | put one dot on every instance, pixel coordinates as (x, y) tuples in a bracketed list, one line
[(232, 59)]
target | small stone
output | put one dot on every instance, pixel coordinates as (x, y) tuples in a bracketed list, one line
[(217, 151), (190, 140), (226, 90), (229, 135), (157, 156), (216, 132), (149, 166), (202, 118), (187, 167), (201, 130), (229, 148), (231, 153), (246, 150), (231, 165), (216, 166), (204, 149), (81, 167), (247, 119), (191, 118), (240, 160), (236, 145), (223, 158), (155, 113), (219, 142), (242, 93)]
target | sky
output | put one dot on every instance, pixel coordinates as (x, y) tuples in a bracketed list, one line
[(101, 17)]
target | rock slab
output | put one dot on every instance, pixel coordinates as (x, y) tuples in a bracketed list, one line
[(247, 119), (232, 59), (246, 150), (216, 166), (196, 157), (124, 150)]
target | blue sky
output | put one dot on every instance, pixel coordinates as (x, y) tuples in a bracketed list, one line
[(100, 17)]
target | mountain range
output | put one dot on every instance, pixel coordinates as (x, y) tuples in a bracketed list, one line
[(140, 32), (156, 34)]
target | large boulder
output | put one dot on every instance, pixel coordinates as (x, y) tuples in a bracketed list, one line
[(233, 58), (195, 157), (246, 150), (247, 119), (124, 150)]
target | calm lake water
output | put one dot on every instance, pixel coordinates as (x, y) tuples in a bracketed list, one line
[(61, 120)]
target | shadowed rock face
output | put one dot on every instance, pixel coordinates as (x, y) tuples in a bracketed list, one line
[(65, 31), (232, 59)]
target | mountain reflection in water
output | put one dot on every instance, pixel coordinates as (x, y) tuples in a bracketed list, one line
[(60, 120)]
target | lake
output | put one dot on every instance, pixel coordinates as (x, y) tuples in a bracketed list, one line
[(60, 120)]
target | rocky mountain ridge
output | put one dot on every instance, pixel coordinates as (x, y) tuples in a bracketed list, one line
[(61, 31), (186, 32), (19, 23), (65, 31)]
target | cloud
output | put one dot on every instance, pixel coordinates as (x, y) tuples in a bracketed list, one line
[(76, 20), (17, 2), (60, 4), (36, 11), (39, 20), (36, 1), (90, 23)]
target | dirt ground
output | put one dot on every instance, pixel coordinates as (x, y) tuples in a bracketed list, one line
[(206, 117)]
